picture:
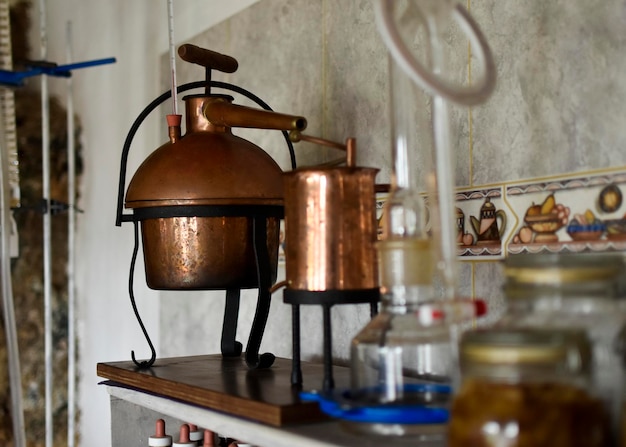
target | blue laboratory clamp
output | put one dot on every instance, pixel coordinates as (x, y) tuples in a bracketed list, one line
[(36, 68)]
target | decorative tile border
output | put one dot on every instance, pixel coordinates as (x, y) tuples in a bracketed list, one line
[(577, 213)]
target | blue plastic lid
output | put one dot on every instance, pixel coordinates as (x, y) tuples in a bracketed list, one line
[(340, 405)]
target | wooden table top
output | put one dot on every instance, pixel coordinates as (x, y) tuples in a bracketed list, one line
[(229, 386)]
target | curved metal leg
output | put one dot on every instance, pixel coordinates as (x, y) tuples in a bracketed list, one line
[(231, 347), (144, 364), (253, 359)]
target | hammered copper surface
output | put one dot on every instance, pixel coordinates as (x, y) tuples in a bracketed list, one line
[(330, 229), (204, 253)]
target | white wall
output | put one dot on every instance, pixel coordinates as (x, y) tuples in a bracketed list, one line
[(108, 99)]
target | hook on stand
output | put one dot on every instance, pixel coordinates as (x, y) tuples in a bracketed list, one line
[(146, 363)]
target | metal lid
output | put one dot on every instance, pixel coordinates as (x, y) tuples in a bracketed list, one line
[(553, 269), (527, 347)]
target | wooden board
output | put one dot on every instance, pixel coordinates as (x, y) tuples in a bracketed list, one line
[(228, 385)]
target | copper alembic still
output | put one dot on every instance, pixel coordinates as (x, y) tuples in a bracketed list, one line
[(209, 203)]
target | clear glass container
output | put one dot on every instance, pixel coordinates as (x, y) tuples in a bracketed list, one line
[(526, 388), (404, 355), (575, 291)]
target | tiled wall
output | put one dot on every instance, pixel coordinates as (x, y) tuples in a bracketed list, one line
[(553, 126)]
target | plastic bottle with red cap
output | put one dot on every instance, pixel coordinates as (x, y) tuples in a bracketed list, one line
[(209, 439), (183, 438), (160, 439), (195, 434)]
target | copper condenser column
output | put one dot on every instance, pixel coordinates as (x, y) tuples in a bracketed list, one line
[(330, 230)]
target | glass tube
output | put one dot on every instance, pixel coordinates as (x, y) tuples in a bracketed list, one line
[(405, 251), (404, 345)]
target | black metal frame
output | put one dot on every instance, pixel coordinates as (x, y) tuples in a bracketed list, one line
[(327, 299)]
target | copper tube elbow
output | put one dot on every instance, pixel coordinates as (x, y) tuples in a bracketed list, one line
[(222, 113)]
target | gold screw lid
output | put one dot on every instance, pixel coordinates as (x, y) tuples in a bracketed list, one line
[(554, 269), (526, 347)]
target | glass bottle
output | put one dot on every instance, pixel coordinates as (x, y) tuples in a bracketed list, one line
[(526, 388), (575, 291)]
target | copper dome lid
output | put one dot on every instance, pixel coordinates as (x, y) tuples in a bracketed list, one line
[(209, 165)]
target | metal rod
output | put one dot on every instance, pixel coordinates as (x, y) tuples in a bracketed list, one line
[(170, 21), (71, 262), (329, 381), (47, 269), (296, 365), (444, 166)]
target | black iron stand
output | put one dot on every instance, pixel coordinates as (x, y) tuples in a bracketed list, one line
[(264, 275), (230, 347), (327, 299)]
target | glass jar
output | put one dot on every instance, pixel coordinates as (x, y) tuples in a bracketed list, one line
[(526, 388), (576, 291)]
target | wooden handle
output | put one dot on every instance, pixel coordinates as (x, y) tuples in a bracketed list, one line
[(207, 58)]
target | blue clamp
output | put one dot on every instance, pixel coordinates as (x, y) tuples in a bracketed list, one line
[(16, 78)]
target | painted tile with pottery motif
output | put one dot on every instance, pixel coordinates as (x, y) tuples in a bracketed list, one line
[(483, 223)]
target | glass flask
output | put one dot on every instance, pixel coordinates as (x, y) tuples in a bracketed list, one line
[(575, 291), (526, 388), (404, 356)]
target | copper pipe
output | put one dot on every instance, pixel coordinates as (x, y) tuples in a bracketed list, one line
[(295, 136), (351, 152), (350, 147), (278, 286), (222, 113)]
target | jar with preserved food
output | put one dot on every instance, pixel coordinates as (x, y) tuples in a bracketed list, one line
[(526, 388), (576, 291)]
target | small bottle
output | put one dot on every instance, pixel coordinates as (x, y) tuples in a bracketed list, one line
[(160, 439), (183, 439), (195, 435), (527, 388), (574, 291), (209, 439)]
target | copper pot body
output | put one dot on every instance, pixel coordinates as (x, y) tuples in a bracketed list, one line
[(208, 167), (330, 229), (205, 253)]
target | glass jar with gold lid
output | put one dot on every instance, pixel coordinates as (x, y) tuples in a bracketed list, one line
[(575, 291), (526, 388)]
